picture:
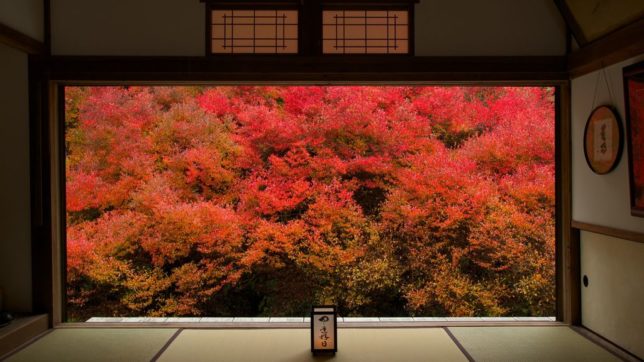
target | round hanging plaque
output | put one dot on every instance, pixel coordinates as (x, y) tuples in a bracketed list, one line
[(603, 140)]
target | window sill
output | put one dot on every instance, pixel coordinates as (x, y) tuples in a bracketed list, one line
[(303, 322)]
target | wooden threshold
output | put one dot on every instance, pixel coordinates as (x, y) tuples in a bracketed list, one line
[(241, 325), (609, 231)]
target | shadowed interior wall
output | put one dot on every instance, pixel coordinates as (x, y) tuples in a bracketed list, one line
[(612, 301), (25, 16), (443, 28), (125, 27), (15, 250), (489, 28)]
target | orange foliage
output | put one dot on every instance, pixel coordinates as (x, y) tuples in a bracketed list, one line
[(265, 200)]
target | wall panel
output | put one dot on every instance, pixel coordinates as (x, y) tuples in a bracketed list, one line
[(612, 302), (128, 27), (15, 242), (489, 28), (443, 28), (25, 16)]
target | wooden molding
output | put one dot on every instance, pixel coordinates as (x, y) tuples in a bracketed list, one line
[(570, 21), (305, 325), (568, 288), (20, 41), (327, 68), (620, 45), (609, 231)]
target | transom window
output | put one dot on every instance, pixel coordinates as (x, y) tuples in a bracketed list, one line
[(310, 27), (365, 31), (255, 31)]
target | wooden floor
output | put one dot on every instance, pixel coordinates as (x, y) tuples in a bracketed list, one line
[(493, 343)]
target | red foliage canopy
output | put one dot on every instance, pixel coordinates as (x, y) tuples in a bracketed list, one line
[(265, 200)]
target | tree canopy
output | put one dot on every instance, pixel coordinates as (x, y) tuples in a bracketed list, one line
[(249, 201)]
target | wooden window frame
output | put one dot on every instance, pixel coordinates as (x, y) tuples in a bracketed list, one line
[(310, 22), (250, 5), (50, 75), (401, 5)]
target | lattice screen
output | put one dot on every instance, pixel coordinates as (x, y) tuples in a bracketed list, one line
[(365, 31), (254, 31)]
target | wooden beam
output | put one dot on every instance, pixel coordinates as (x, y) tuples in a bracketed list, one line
[(318, 69), (20, 41), (609, 231), (570, 21), (568, 284), (613, 48)]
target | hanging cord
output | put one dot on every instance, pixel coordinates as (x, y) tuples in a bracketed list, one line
[(610, 93)]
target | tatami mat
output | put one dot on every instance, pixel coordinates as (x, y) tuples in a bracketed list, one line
[(96, 345), (529, 344), (293, 345), (525, 343)]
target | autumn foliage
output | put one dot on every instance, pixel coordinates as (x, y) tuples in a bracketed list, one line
[(246, 201)]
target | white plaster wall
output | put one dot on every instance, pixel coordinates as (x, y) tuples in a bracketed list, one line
[(128, 27), (489, 28), (15, 244), (612, 302), (443, 28), (26, 16), (600, 199)]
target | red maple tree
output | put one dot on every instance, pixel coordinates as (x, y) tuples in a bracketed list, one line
[(264, 200)]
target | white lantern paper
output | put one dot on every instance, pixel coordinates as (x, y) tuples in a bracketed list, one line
[(324, 329)]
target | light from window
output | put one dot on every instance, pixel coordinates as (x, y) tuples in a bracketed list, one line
[(254, 31), (365, 31)]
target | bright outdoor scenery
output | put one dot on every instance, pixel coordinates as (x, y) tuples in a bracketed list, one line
[(261, 201)]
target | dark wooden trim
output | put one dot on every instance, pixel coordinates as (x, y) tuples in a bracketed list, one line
[(56, 71), (371, 2), (47, 26), (570, 21), (40, 176), (559, 244), (304, 325), (297, 2), (620, 45), (568, 287), (634, 72), (253, 2), (20, 41), (62, 197), (609, 231), (316, 69), (573, 271)]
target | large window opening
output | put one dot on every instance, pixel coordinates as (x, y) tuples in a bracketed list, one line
[(261, 201)]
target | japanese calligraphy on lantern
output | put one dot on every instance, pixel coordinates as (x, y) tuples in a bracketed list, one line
[(323, 329)]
